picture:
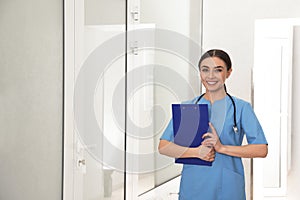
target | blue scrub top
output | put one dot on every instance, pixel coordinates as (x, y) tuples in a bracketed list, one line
[(224, 180)]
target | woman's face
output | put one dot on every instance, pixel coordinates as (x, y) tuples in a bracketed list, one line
[(213, 73)]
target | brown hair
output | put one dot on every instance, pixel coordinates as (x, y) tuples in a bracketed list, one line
[(217, 53)]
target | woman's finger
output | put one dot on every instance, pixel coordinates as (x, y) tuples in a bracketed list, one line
[(207, 135), (210, 140), (212, 127), (211, 154)]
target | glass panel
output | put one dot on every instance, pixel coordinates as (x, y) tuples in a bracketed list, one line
[(99, 72), (164, 42)]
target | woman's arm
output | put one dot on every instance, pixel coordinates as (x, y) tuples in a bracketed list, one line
[(245, 151), (176, 151)]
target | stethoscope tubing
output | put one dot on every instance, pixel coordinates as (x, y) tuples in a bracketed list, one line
[(235, 129)]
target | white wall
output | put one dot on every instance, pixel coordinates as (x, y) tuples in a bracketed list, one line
[(113, 12), (31, 99), (230, 25)]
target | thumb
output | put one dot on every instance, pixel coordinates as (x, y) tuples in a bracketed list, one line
[(212, 128)]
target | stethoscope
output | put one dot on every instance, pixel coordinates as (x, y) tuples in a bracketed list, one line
[(235, 128)]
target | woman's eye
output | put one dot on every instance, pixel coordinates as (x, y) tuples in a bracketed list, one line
[(204, 70), (218, 70)]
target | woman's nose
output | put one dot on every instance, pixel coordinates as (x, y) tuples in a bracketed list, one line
[(211, 74)]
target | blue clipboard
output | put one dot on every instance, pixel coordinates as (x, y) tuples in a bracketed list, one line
[(190, 122)]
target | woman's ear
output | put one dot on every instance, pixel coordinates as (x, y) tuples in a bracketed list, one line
[(228, 72)]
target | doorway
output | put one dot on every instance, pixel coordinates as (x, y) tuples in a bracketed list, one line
[(126, 62)]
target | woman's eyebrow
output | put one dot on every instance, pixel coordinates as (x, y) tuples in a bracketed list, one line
[(217, 67), (204, 66)]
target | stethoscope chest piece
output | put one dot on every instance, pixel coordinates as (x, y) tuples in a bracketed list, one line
[(235, 129)]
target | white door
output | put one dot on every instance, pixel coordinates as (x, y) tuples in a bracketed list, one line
[(272, 77), (120, 80), (95, 64)]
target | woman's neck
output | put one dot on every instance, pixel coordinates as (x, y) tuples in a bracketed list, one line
[(214, 96)]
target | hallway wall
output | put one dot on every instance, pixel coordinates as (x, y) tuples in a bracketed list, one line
[(31, 71), (230, 25)]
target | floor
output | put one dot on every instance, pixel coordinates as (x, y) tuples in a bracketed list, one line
[(166, 191)]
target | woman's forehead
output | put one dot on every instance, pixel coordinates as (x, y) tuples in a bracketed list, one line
[(213, 62)]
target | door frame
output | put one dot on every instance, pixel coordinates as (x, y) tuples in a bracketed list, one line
[(70, 162), (68, 124)]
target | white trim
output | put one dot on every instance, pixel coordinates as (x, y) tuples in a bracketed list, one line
[(68, 177)]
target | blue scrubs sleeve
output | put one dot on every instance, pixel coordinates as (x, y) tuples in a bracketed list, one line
[(168, 133), (251, 126)]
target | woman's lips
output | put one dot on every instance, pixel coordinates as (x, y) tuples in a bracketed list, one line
[(211, 82)]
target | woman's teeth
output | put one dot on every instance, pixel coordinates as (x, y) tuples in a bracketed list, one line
[(211, 82)]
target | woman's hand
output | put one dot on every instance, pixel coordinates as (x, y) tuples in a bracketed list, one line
[(245, 151), (206, 153), (176, 151), (212, 139)]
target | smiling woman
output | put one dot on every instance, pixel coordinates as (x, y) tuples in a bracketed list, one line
[(215, 68), (226, 176)]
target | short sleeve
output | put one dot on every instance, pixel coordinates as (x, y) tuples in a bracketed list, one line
[(168, 134), (251, 126)]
